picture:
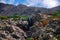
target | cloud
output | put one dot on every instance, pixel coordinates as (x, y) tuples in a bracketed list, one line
[(17, 4), (11, 1), (36, 3), (43, 3), (50, 3), (2, 1), (7, 1), (32, 2)]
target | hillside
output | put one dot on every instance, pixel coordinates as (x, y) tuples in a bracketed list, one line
[(39, 24), (6, 9)]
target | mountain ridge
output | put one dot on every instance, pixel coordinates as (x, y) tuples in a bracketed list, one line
[(8, 9)]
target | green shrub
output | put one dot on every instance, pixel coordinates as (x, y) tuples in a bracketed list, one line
[(56, 14)]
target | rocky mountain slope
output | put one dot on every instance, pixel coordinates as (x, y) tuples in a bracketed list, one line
[(37, 27), (7, 9), (55, 9)]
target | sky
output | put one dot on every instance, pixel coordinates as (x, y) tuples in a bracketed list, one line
[(35, 3)]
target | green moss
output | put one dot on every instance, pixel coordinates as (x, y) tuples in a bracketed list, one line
[(29, 38), (24, 17)]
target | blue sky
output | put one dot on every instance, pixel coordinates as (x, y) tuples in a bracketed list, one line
[(36, 3)]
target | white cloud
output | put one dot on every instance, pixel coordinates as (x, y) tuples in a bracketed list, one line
[(32, 2), (2, 1), (50, 3), (43, 3), (37, 3), (17, 4), (11, 1)]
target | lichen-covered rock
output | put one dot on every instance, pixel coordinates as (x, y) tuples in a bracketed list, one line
[(12, 33)]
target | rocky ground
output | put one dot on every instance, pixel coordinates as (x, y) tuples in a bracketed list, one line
[(30, 29)]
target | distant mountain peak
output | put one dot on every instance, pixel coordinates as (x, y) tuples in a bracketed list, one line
[(21, 5), (8, 9)]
